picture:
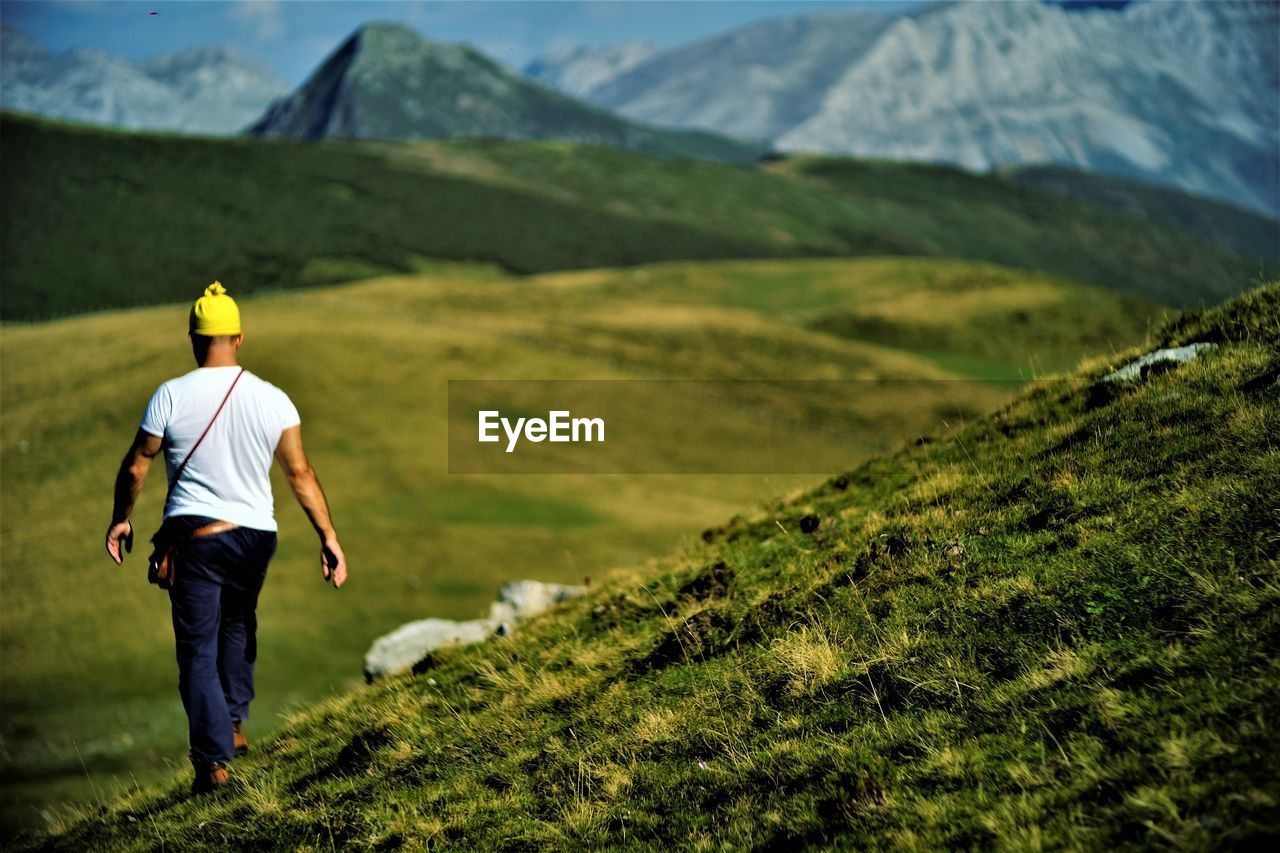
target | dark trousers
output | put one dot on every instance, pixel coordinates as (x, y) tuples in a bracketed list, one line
[(215, 597)]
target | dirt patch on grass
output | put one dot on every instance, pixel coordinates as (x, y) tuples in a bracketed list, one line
[(355, 758), (699, 638), (712, 582)]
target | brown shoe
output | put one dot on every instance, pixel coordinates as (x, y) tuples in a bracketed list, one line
[(238, 740), (210, 777)]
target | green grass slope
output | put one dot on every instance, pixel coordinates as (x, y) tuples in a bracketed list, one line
[(1054, 627), (1235, 228), (96, 219), (87, 699), (977, 320)]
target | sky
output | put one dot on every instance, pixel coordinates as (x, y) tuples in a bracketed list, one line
[(293, 36)]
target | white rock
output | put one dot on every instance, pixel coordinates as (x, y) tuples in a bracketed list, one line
[(398, 651), (402, 648), (529, 598), (1174, 355)]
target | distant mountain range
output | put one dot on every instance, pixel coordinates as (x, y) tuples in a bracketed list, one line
[(388, 82), (1182, 93), (210, 90)]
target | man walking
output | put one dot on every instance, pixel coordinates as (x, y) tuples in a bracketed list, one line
[(219, 427)]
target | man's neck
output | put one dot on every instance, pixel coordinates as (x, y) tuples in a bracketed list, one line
[(220, 360)]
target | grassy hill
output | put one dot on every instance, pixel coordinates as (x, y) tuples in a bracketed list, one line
[(96, 219), (1234, 228), (1052, 627), (88, 702)]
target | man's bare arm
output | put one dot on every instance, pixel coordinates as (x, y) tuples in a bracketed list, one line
[(129, 480), (306, 488)]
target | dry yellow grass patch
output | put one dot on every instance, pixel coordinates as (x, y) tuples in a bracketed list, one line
[(657, 725), (1112, 706), (931, 308), (447, 160), (1059, 665), (808, 658)]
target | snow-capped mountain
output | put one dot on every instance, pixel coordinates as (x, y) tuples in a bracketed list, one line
[(1184, 93), (579, 70), (209, 90), (757, 81)]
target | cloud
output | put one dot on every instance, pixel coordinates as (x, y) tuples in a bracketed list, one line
[(264, 19)]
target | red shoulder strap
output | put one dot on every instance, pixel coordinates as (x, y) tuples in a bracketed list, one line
[(177, 474)]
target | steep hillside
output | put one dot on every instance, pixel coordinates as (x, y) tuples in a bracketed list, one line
[(1233, 228), (387, 82), (87, 704), (98, 219), (1054, 627)]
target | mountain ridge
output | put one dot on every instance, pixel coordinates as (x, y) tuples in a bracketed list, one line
[(579, 69), (386, 81)]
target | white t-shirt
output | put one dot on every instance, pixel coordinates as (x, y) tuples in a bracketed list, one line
[(229, 477)]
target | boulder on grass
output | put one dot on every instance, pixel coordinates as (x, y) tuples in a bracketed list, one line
[(404, 647), (1171, 357), (523, 599)]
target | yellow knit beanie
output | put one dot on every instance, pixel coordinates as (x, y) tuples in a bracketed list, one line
[(215, 313)]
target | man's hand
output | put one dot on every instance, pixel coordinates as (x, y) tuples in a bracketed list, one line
[(332, 562), (133, 471), (121, 534), (306, 488)]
